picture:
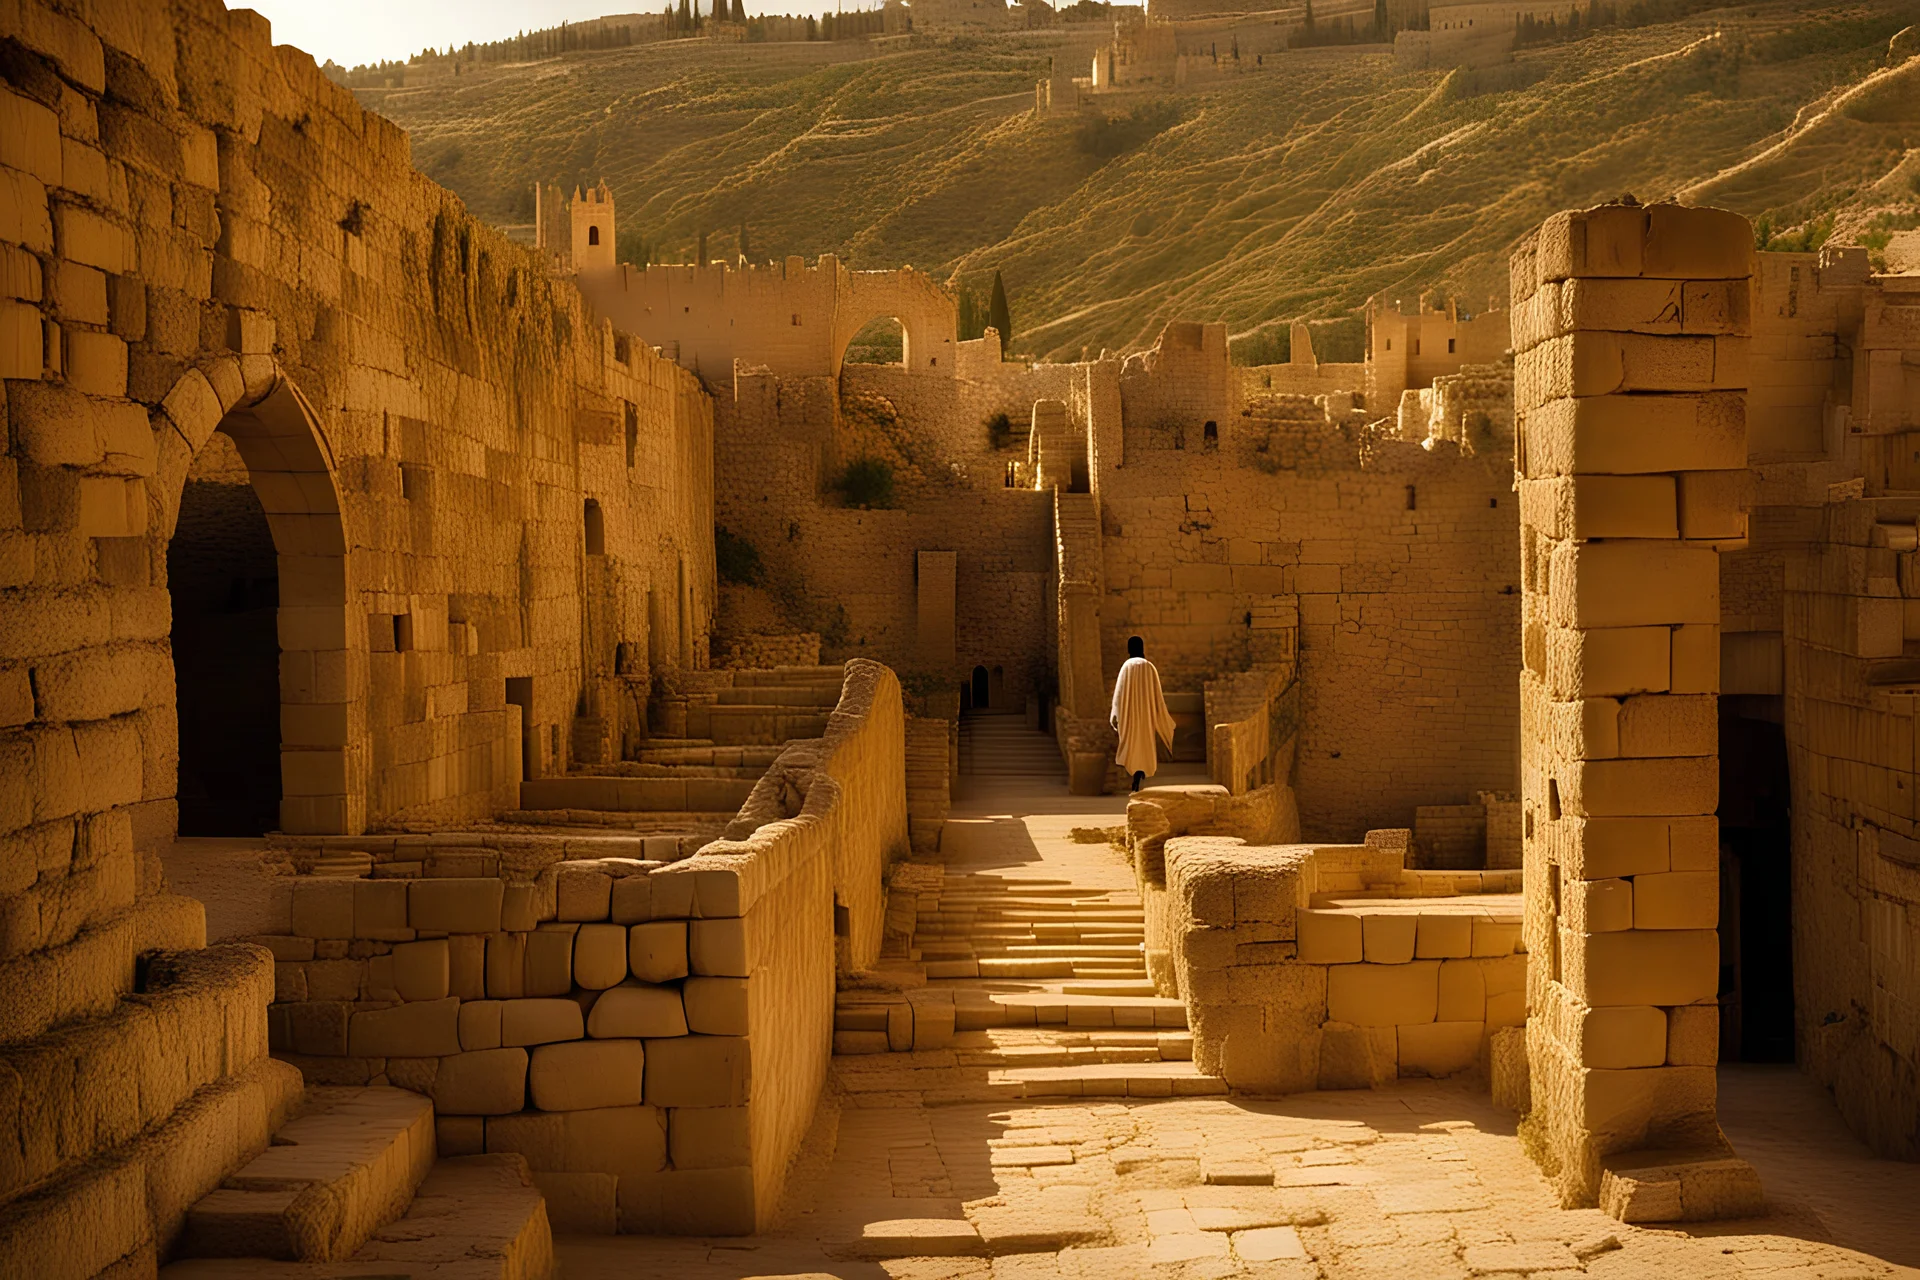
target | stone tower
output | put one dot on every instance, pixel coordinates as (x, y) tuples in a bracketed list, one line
[(575, 232)]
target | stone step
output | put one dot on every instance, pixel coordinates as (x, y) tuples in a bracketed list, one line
[(472, 1218), (1117, 1080), (830, 673), (718, 757), (962, 948), (976, 1010), (745, 726), (637, 795), (345, 1167), (1043, 967)]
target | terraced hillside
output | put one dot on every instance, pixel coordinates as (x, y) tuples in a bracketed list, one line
[(1295, 190)]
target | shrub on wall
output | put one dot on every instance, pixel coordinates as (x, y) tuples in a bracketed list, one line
[(1104, 138), (736, 558), (999, 430), (867, 482)]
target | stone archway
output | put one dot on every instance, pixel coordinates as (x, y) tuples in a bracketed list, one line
[(322, 661)]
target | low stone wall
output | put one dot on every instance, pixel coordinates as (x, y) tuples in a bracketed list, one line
[(1156, 815), (651, 1036), (1305, 966)]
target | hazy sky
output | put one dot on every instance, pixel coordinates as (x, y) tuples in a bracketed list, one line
[(355, 31)]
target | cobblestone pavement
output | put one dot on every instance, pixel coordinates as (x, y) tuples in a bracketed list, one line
[(1422, 1181)]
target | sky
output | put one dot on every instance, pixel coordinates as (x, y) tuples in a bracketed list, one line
[(355, 31)]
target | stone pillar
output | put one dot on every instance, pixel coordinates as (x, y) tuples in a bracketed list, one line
[(935, 583), (1631, 330)]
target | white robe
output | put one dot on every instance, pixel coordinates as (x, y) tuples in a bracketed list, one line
[(1139, 715)]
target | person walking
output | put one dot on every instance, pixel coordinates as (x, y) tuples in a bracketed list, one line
[(1140, 714)]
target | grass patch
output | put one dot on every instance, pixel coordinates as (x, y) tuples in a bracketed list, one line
[(736, 559), (866, 482)]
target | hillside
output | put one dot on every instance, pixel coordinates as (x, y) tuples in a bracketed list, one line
[(1293, 191)]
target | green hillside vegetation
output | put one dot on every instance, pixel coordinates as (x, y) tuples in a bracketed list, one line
[(1294, 191)]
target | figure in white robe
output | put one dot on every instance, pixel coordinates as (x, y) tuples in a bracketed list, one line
[(1140, 714)]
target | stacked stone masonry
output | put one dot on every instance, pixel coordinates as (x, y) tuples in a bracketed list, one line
[(1631, 333), (649, 1035)]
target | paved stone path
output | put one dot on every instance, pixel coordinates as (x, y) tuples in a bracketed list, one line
[(1422, 1181)]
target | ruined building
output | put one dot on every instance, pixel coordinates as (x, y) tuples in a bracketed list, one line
[(476, 722)]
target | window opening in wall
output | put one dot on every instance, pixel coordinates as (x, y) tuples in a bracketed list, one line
[(596, 529), (223, 577), (1416, 346), (1450, 343), (1210, 435), (1756, 885), (593, 235), (409, 481), (1413, 501), (402, 632), (633, 436), (1389, 344), (1077, 479), (982, 694), (1553, 800), (842, 921)]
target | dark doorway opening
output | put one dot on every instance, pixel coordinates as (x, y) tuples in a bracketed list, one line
[(224, 578), (520, 694), (1756, 883), (982, 689)]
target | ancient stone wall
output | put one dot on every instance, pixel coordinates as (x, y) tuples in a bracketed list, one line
[(650, 1033), (202, 235), (1390, 585), (789, 318), (1632, 329)]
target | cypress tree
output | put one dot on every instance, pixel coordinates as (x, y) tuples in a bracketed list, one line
[(684, 22), (998, 315), (740, 11)]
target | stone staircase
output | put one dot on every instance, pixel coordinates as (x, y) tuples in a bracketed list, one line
[(711, 746), (999, 744), (350, 1186), (1034, 986)]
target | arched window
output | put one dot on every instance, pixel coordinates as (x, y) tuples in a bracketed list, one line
[(593, 235)]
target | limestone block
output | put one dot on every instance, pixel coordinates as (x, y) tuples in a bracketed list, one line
[(323, 907), (1693, 844), (718, 947), (1622, 1036), (716, 1006), (1599, 848), (490, 1082), (1509, 1069), (1383, 995), (1329, 937), (336, 979), (624, 1141), (1493, 938), (697, 1071), (480, 1024), (420, 970), (578, 1075), (1659, 966), (657, 951), (1673, 725), (1623, 1106), (583, 891), (540, 1021), (580, 1204), (380, 983), (1713, 504), (1693, 1035), (1443, 936), (428, 1029), (1608, 661), (1634, 584), (933, 1019), (1598, 906), (599, 955), (1677, 900), (550, 960), (1387, 939), (1507, 1009), (380, 910), (517, 908), (1346, 1057), (1635, 435), (1439, 1049), (706, 1202), (708, 1137), (1687, 243), (507, 965), (631, 900), (1462, 992), (638, 1011), (463, 905), (1632, 788), (1602, 506), (467, 966), (1696, 656)]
